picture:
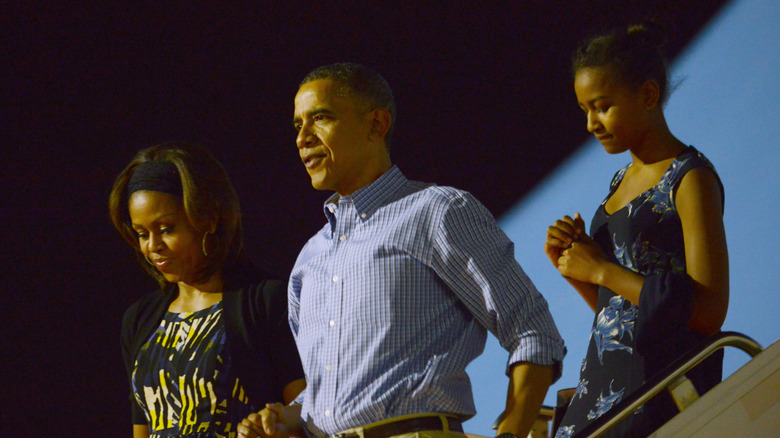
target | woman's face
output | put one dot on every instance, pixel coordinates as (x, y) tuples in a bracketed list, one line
[(166, 236), (615, 114)]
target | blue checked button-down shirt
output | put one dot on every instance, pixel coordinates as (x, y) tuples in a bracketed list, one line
[(391, 300)]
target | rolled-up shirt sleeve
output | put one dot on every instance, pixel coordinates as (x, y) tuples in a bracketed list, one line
[(475, 258)]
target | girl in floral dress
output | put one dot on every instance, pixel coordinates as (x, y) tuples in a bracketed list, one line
[(654, 268)]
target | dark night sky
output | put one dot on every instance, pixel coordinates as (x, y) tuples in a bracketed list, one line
[(484, 98)]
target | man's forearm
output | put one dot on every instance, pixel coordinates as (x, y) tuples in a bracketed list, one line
[(528, 384)]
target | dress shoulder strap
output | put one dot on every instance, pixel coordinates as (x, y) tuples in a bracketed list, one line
[(616, 179), (688, 160)]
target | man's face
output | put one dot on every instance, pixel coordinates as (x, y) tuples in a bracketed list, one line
[(333, 137)]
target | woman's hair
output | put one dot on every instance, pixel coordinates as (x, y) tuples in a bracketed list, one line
[(207, 195), (634, 55)]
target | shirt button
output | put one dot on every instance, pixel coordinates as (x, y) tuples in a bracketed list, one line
[(329, 368), (327, 412), (362, 215), (335, 278), (343, 238), (332, 323)]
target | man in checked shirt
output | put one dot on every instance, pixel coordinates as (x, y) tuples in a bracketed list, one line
[(393, 297)]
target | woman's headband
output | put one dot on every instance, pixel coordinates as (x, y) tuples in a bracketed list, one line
[(155, 176)]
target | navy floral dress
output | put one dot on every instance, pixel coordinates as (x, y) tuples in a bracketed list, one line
[(630, 343)]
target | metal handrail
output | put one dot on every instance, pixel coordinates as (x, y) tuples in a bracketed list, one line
[(668, 376)]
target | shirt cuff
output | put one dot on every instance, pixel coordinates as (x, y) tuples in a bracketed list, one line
[(539, 350)]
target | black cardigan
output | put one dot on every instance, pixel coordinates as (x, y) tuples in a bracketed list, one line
[(256, 329)]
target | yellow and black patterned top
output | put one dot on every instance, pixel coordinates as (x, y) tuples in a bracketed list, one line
[(183, 381)]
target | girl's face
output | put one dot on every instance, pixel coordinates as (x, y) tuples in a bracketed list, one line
[(166, 236), (615, 113)]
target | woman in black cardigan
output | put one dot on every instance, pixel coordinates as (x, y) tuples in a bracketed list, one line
[(212, 345)]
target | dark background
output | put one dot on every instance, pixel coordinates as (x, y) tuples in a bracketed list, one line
[(484, 98)]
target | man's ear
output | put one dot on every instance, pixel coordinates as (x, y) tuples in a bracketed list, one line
[(380, 124), (650, 93)]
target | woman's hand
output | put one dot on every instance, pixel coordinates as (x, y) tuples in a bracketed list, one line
[(561, 235), (275, 421), (267, 423), (583, 261)]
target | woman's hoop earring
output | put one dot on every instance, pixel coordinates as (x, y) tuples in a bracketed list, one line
[(203, 244)]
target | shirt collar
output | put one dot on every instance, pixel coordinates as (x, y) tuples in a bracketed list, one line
[(369, 198)]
